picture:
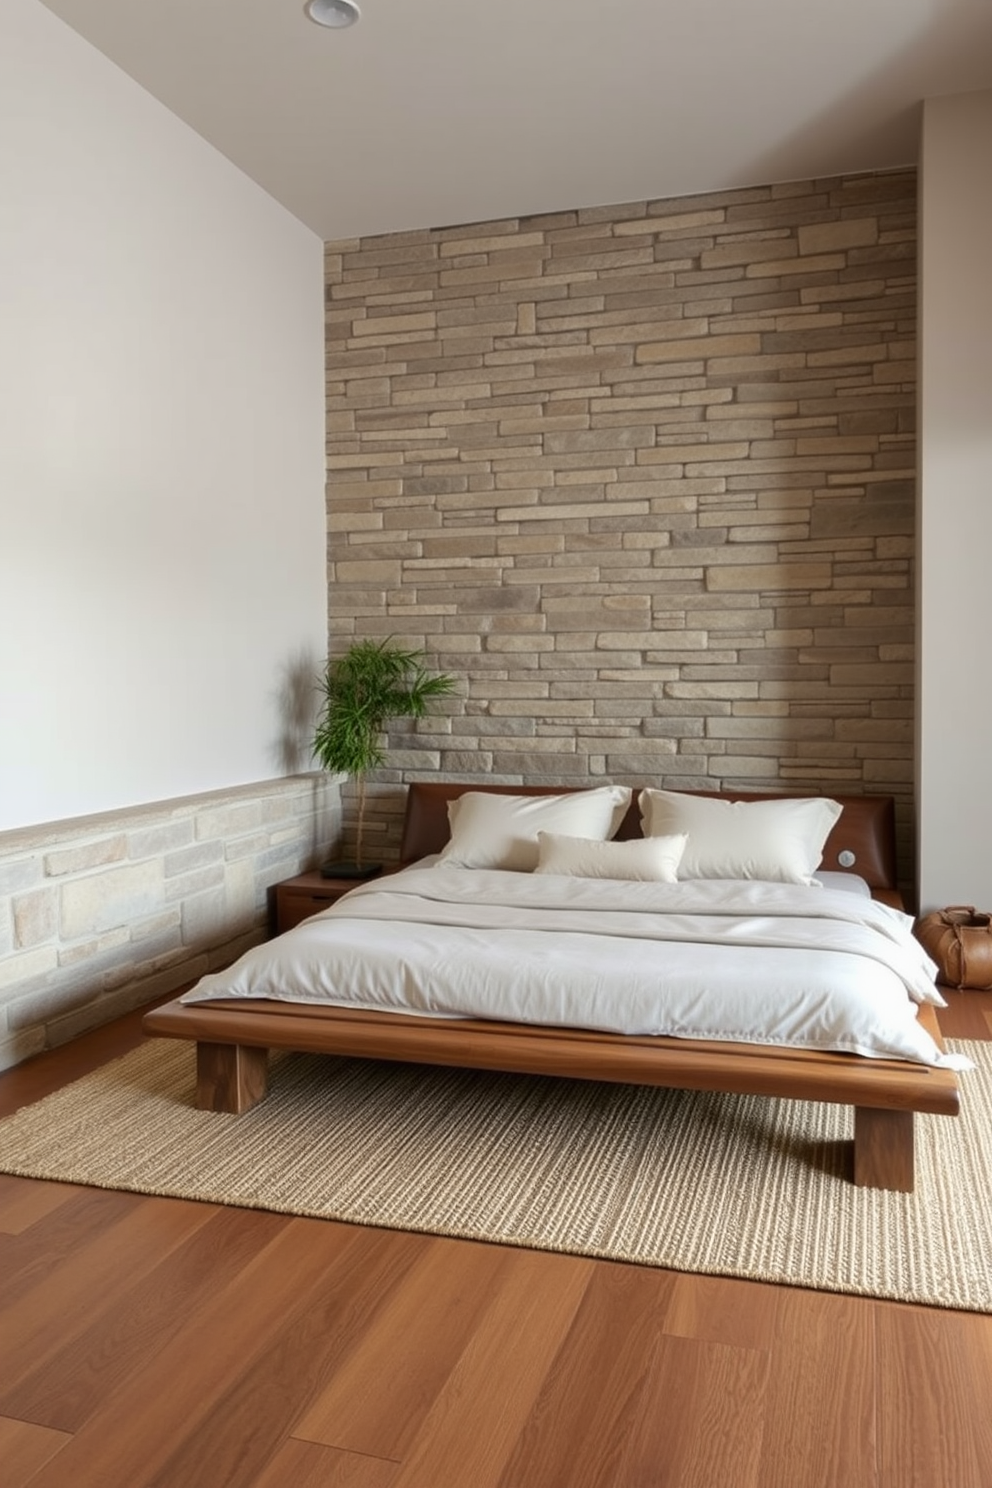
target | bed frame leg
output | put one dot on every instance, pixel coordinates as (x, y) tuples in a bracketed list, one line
[(883, 1149), (230, 1077)]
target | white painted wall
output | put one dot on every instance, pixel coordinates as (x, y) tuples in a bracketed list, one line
[(162, 529), (954, 757)]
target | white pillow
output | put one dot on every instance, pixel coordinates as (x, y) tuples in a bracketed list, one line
[(649, 859), (490, 830), (780, 840)]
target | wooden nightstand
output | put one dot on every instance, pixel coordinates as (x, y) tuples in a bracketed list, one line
[(295, 899)]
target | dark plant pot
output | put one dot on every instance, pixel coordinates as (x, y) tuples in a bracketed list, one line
[(342, 868)]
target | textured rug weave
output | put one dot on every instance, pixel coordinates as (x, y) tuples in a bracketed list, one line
[(731, 1185)]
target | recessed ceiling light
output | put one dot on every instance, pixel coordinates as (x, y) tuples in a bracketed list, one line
[(333, 12)]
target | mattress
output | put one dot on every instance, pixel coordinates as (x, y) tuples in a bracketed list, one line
[(823, 967)]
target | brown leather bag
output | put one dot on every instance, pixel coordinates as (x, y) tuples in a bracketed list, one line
[(960, 941)]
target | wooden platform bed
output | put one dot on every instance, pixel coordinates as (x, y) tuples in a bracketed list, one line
[(233, 1038)]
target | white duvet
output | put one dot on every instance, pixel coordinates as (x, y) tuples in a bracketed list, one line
[(740, 962)]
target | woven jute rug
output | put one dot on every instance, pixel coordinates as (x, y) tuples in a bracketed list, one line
[(732, 1185)]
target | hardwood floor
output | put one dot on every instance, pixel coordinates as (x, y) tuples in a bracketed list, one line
[(154, 1343)]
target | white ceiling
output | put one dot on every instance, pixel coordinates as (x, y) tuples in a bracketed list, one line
[(433, 112)]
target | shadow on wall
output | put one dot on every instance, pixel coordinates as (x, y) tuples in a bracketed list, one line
[(296, 704)]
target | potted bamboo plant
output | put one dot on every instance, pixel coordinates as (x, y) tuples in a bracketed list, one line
[(371, 683)]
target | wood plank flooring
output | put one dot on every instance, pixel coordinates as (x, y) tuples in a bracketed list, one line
[(154, 1343)]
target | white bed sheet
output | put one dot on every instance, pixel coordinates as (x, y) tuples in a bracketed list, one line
[(740, 962)]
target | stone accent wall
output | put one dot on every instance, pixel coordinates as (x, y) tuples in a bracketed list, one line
[(643, 477), (106, 913)]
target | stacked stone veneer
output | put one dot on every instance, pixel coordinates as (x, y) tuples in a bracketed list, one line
[(102, 914), (643, 477)]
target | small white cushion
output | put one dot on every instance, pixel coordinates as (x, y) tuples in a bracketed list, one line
[(843, 883), (780, 840), (648, 859), (490, 830)]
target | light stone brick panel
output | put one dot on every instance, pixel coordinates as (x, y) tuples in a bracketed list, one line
[(642, 478), (106, 913)]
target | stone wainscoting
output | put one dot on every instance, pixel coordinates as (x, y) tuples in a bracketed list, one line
[(643, 477), (105, 913)]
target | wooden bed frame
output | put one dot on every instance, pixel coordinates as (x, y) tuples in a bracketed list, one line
[(233, 1038)]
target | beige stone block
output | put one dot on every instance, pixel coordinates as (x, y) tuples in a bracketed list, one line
[(365, 460), (730, 691), (85, 855), (227, 821), (35, 917), (757, 767), (494, 243), (676, 328), (576, 261), (368, 573), (596, 475), (884, 674), (204, 918), (455, 337), (646, 541), (548, 710), (403, 436), (529, 479), (452, 563), (358, 492), (829, 237), (701, 348), (850, 290), (755, 407), (676, 223), (888, 731), (616, 405), (846, 356), (562, 512), (629, 437), (810, 319), (778, 532), (685, 453), (155, 927), (883, 774), (531, 544), (240, 887), (543, 423), (25, 966), (104, 901), (354, 521), (704, 612), (535, 747), (888, 476), (19, 873), (192, 859), (502, 642), (526, 573), (587, 316), (760, 728), (405, 344), (646, 640), (764, 709), (748, 250), (502, 267), (793, 269)]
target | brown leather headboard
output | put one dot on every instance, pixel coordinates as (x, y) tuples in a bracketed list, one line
[(866, 830)]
